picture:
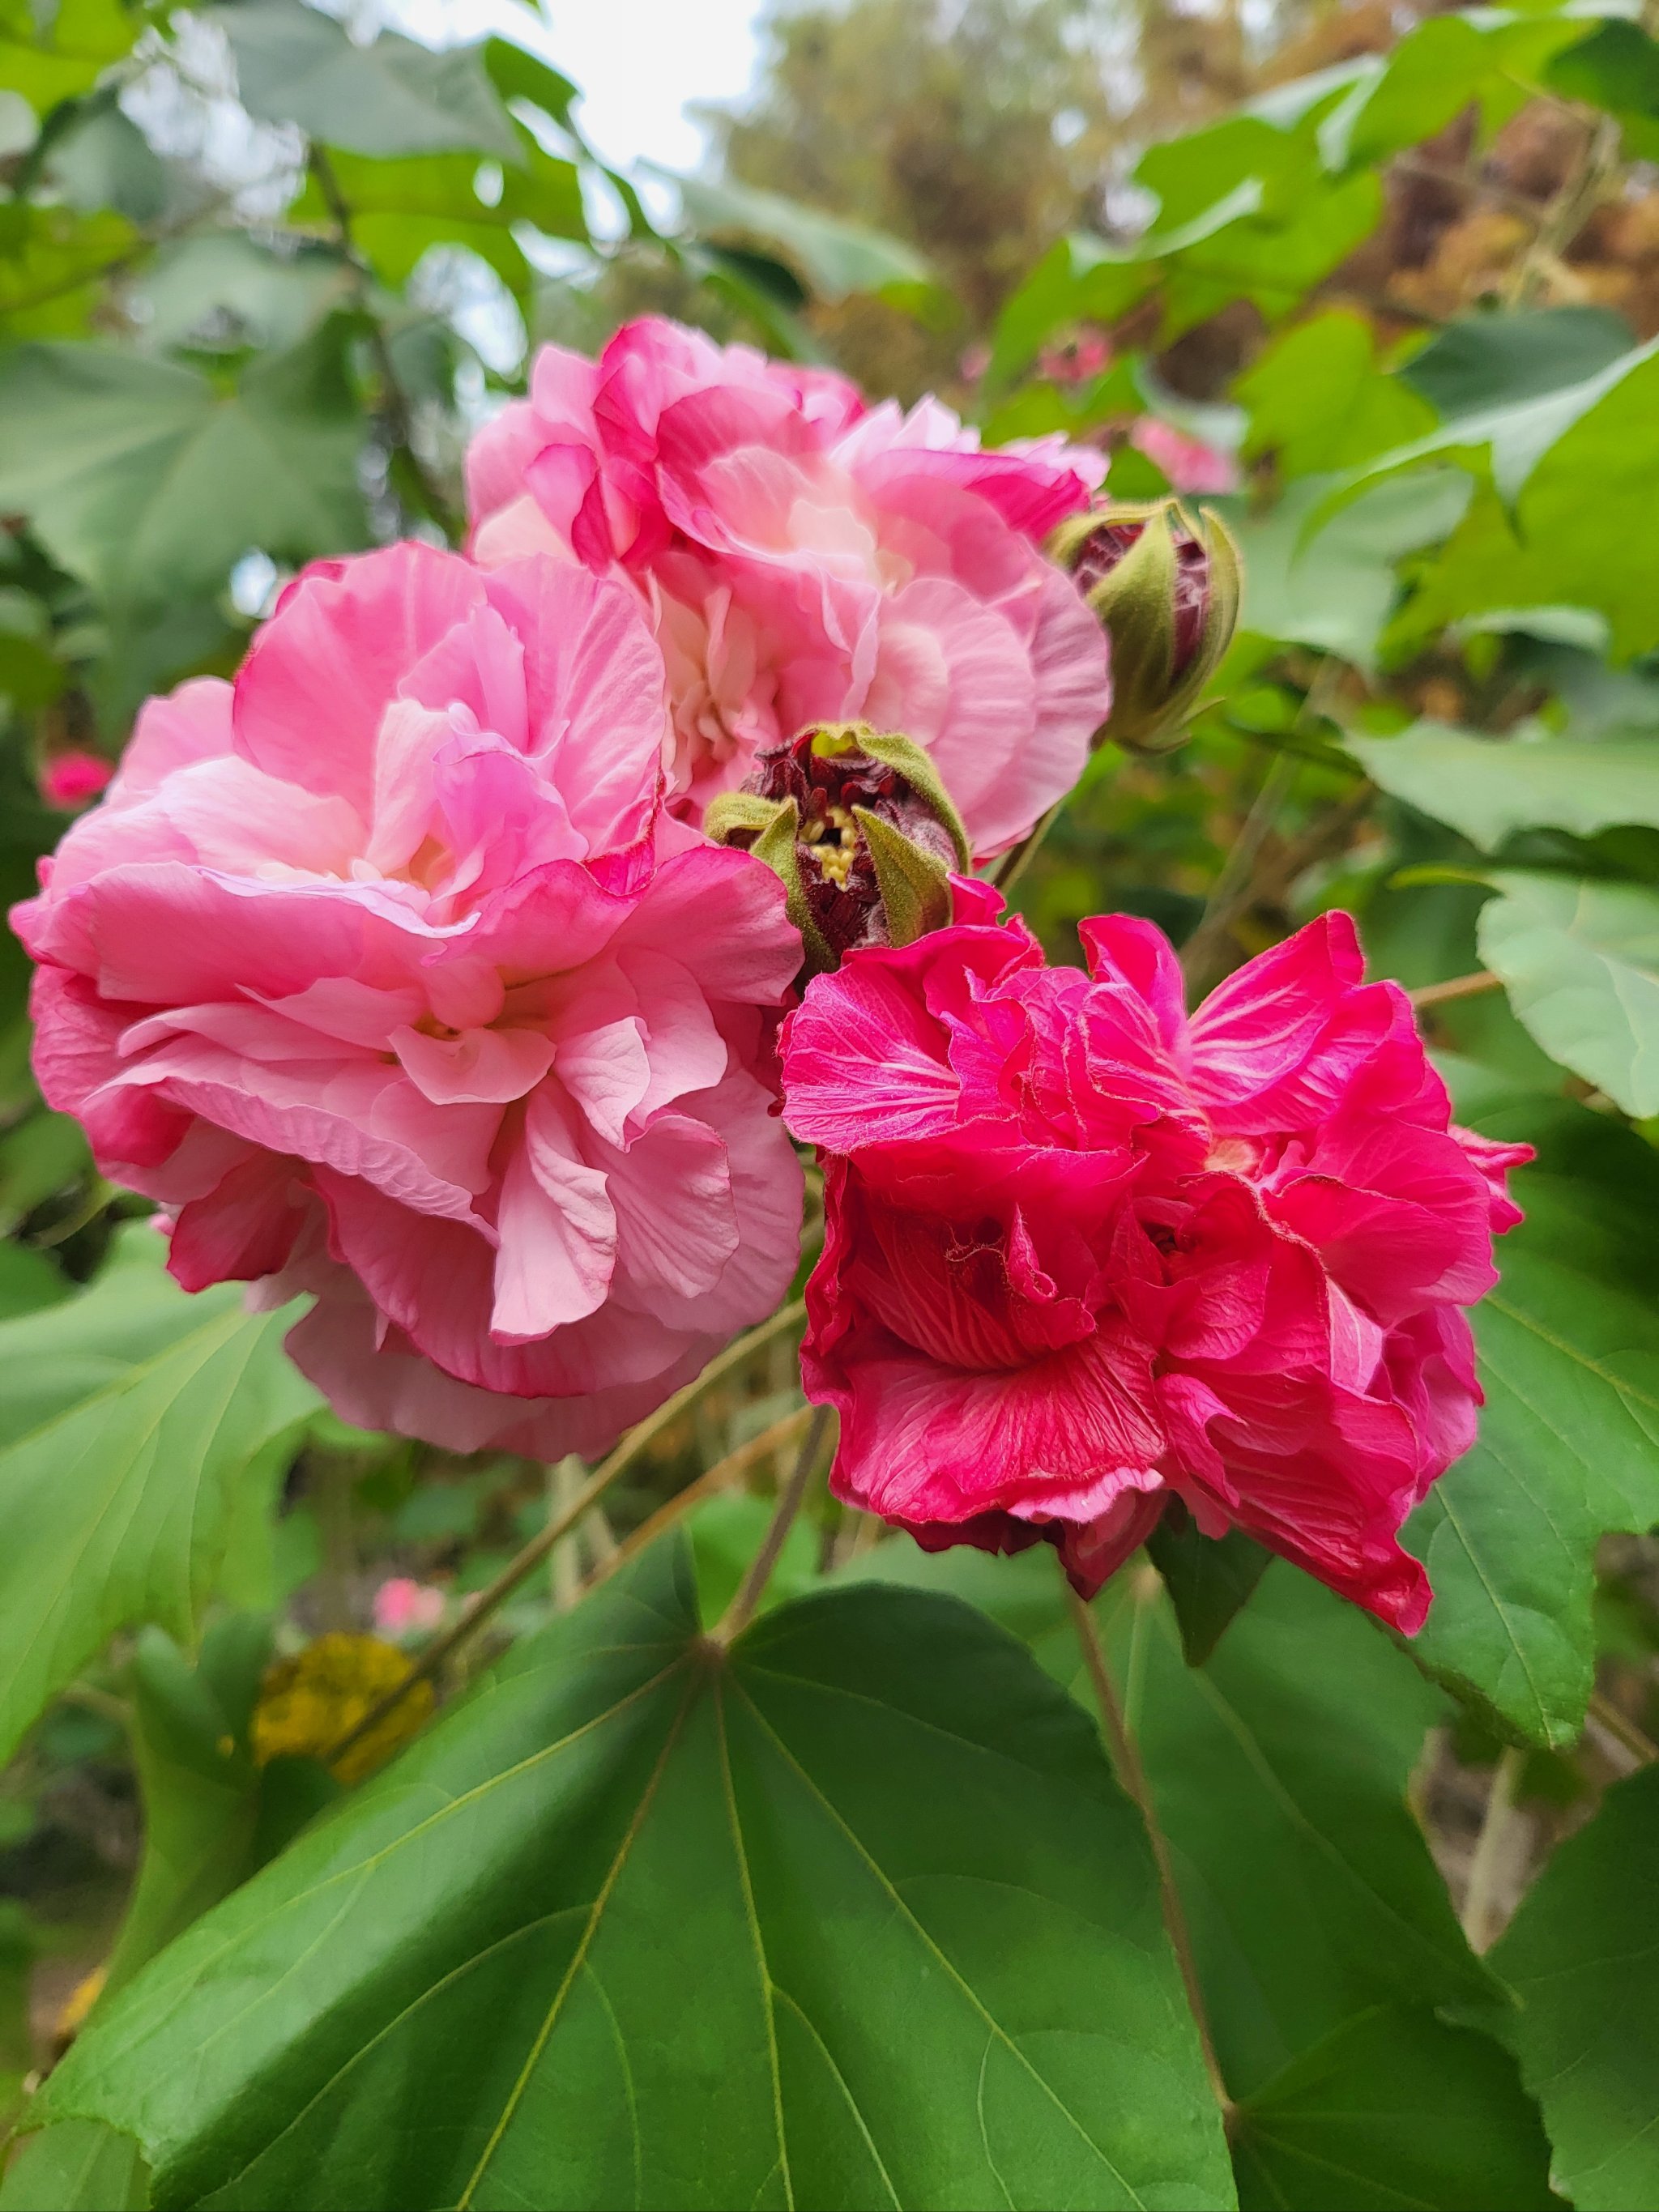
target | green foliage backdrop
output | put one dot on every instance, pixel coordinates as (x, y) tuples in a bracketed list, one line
[(854, 1911)]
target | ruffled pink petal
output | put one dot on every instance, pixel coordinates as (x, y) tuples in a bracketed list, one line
[(768, 1186), (1060, 1439), (241, 1230), (866, 1060), (557, 1227), (374, 1378), (168, 933), (1325, 1477), (1430, 1361), (1398, 1218), (479, 1066), (593, 692), (1279, 1042), (1091, 1552), (333, 1032), (1078, 1256), (1123, 950), (753, 957), (358, 1116), (499, 455), (1494, 1161), (676, 1214), (332, 657), (192, 724)]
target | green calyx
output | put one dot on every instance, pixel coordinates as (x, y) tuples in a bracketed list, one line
[(914, 884), (852, 813), (776, 825), (835, 740), (1137, 599)]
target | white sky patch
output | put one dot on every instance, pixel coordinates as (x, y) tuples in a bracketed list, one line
[(638, 62)]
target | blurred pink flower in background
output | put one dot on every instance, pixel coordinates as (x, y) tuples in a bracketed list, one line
[(1088, 355), (1188, 462), (404, 1606), (69, 779), (807, 559), (1084, 1254), (384, 971)]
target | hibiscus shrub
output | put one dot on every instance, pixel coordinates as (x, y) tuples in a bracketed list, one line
[(830, 1309)]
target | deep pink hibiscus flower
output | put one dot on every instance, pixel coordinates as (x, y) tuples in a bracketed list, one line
[(807, 560), (1085, 1253), (385, 974)]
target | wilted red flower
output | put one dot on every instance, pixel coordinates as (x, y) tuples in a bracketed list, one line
[(860, 828), (1084, 1253)]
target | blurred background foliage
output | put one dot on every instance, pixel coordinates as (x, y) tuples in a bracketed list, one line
[(1383, 282)]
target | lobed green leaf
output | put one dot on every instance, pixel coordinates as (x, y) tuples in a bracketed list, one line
[(1580, 1957), (1569, 1445), (149, 480), (851, 1915)]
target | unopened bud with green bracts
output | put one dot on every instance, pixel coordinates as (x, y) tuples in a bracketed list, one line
[(862, 830), (1166, 588)]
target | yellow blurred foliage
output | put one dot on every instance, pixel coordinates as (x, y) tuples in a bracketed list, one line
[(308, 1703)]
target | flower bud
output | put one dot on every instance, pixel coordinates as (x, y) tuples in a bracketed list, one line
[(860, 829), (1168, 595)]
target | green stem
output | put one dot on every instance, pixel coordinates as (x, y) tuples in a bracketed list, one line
[(564, 1481), (1006, 871), (741, 1610), (1231, 894), (1460, 986), (331, 1503), (524, 1562), (719, 1477), (1126, 1757), (101, 1195), (1604, 1715)]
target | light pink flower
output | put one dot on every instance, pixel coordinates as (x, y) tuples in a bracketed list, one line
[(1085, 1253), (1087, 356), (404, 1606), (808, 560), (69, 779), (1189, 464), (383, 972)]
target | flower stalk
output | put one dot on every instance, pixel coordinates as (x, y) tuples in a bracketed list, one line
[(1126, 1759), (526, 1561)]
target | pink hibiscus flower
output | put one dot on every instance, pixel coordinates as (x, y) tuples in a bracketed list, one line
[(1085, 1253), (807, 560), (385, 974)]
